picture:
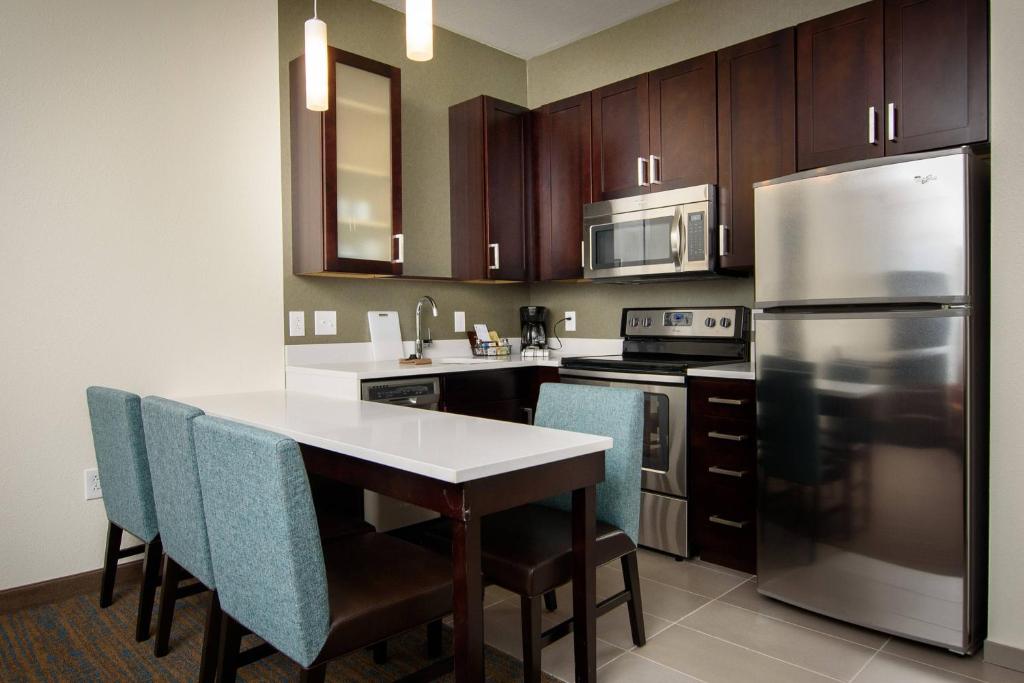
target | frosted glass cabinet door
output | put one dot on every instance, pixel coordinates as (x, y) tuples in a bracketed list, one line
[(346, 170), (364, 164)]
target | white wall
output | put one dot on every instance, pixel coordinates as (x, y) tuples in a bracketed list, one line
[(140, 236), (1006, 599)]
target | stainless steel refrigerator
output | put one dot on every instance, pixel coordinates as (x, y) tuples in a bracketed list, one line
[(870, 356)]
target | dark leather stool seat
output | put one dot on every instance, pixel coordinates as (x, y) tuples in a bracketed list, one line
[(378, 586), (527, 550)]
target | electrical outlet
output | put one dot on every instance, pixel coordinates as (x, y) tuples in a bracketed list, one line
[(296, 323), (92, 484), (570, 321), (325, 322), (460, 321)]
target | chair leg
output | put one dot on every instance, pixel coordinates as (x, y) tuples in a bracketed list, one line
[(318, 674), (380, 652), (211, 640), (434, 639), (168, 596), (530, 608), (114, 534), (230, 643), (550, 601), (631, 577), (147, 592)]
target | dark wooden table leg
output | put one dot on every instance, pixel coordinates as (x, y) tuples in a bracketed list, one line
[(584, 584), (468, 604)]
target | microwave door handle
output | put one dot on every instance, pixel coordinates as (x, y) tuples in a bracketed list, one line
[(676, 237)]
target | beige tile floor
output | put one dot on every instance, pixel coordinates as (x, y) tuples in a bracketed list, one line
[(708, 623)]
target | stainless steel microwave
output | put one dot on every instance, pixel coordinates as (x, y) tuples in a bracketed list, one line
[(656, 235)]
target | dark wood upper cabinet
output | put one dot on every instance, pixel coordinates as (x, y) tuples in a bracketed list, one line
[(347, 169), (489, 175), (756, 134), (936, 74), (562, 158), (621, 139), (839, 91), (683, 124)]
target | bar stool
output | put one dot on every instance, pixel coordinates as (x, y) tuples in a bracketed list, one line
[(120, 447), (528, 550), (314, 602)]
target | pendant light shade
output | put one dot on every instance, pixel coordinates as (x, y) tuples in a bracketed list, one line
[(316, 63), (419, 30)]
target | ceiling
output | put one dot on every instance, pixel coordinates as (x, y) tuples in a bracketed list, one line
[(527, 28)]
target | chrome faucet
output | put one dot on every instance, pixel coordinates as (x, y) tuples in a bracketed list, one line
[(419, 335)]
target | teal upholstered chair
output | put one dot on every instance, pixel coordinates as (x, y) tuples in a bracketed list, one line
[(311, 601), (121, 459), (528, 550), (179, 505)]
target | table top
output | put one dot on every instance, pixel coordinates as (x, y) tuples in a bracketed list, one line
[(444, 446)]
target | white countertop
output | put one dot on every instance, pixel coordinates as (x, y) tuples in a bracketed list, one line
[(453, 448), (730, 371), (379, 369)]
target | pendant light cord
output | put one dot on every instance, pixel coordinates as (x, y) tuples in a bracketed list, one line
[(314, 10)]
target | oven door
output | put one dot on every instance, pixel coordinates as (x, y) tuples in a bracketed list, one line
[(664, 458)]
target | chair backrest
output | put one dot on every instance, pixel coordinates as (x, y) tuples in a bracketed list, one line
[(120, 446), (264, 538), (604, 411), (171, 447)]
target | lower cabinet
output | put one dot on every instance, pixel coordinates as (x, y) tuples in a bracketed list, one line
[(508, 395), (723, 467)]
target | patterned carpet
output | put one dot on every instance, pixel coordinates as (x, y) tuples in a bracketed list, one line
[(75, 640)]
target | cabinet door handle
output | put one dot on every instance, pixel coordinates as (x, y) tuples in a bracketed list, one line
[(401, 248), (496, 262), (641, 172), (583, 254), (724, 235), (727, 401), (891, 122), (727, 437), (655, 170), (872, 126), (739, 474), (715, 519)]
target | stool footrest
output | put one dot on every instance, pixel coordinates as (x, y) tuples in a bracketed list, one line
[(131, 550)]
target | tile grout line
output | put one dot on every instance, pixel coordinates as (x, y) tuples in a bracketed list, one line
[(870, 659), (666, 666), (763, 654), (932, 666)]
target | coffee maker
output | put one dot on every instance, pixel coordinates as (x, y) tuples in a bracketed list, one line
[(532, 320)]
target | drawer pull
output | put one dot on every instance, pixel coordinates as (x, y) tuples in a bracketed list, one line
[(715, 519), (739, 474), (727, 437), (728, 401)]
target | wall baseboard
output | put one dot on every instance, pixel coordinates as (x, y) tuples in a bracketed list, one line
[(1006, 656), (62, 588)]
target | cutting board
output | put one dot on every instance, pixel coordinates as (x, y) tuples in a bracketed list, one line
[(385, 335)]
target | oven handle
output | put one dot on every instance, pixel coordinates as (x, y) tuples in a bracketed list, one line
[(634, 377)]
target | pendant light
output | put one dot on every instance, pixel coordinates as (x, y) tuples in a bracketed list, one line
[(419, 30), (316, 63)]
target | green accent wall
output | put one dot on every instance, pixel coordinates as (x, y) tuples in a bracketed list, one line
[(462, 69)]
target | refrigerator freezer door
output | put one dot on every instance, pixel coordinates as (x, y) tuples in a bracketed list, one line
[(863, 457), (895, 232)]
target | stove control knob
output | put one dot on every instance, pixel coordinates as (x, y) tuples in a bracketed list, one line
[(709, 322), (726, 323), (634, 322), (647, 322)]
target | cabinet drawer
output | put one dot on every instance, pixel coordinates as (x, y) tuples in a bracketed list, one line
[(734, 440), (729, 545), (469, 388), (723, 397), (734, 499)]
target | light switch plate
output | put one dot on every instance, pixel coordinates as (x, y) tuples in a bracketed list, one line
[(296, 323), (325, 322), (570, 321), (460, 321)]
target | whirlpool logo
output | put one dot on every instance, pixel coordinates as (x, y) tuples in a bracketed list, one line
[(925, 179)]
